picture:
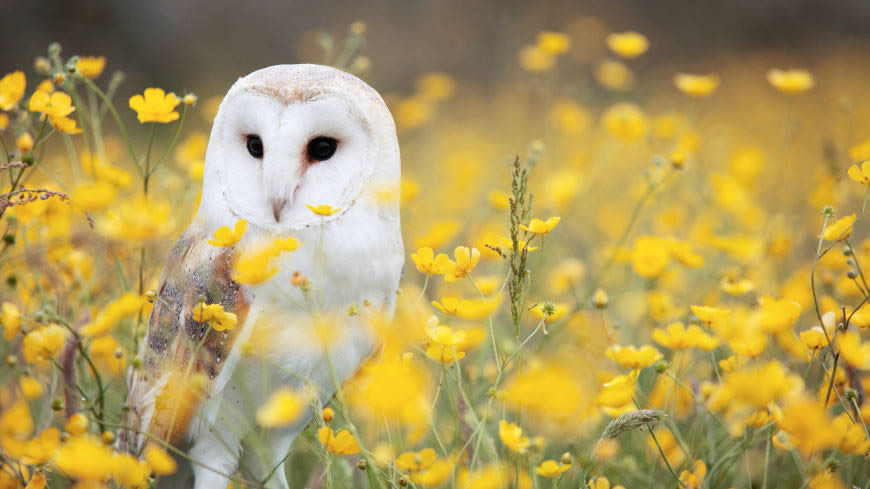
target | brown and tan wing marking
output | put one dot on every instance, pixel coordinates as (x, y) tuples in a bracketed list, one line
[(183, 357)]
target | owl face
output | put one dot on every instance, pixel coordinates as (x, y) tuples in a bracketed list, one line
[(282, 141)]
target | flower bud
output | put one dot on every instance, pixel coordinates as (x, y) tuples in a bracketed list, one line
[(108, 437), (328, 414), (362, 465), (358, 28), (119, 353), (190, 99), (57, 404), (566, 459), (600, 299), (151, 296), (42, 65), (403, 482), (137, 363)]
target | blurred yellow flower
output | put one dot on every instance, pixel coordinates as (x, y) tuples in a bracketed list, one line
[(710, 314), (551, 468), (778, 315), (756, 386), (512, 437), (853, 351), (225, 237), (696, 85), (841, 229), (537, 226), (254, 265), (215, 316), (4, 121), (91, 66), (30, 387), (568, 117), (138, 219), (614, 75), (10, 317), (618, 392), (814, 338), (627, 44), (283, 407), (56, 106), (693, 479), (633, 357), (322, 209), (76, 424), (439, 233), (24, 142), (534, 59), (341, 443), (550, 312), (554, 43), (436, 87), (625, 121), (416, 461), (123, 307), (466, 308), (732, 363), (155, 106), (11, 89), (41, 344), (108, 354), (677, 337), (790, 82), (860, 174), (602, 482), (161, 462), (650, 256), (412, 113)]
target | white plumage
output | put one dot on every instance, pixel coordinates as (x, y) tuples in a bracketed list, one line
[(354, 256)]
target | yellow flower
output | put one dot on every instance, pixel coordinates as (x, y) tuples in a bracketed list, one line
[(709, 314), (778, 315), (91, 66), (677, 337), (11, 89), (682, 252), (853, 351), (632, 357), (733, 285), (625, 121), (537, 226), (860, 174), (4, 121), (841, 229), (56, 106), (76, 425), (412, 113), (226, 238), (850, 436), (282, 408), (161, 462), (600, 298), (696, 85), (254, 266), (553, 43), (756, 386), (534, 59), (436, 86), (155, 106), (650, 256), (732, 363), (465, 308), (416, 461), (790, 82), (550, 312), (614, 75), (138, 219), (602, 482), (814, 338), (498, 200), (438, 235), (512, 437), (341, 443), (30, 387), (466, 260), (433, 476), (445, 344), (214, 315), (618, 392), (322, 209), (551, 468), (10, 317), (628, 44), (124, 307), (24, 142), (693, 479), (43, 343), (105, 352), (569, 118), (430, 264), (94, 196)]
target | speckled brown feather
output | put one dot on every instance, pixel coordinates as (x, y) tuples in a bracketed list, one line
[(183, 357)]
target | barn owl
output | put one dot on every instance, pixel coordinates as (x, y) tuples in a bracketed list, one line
[(285, 137)]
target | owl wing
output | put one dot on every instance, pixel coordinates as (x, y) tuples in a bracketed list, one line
[(182, 357)]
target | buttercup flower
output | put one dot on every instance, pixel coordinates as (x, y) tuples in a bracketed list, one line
[(214, 315), (430, 264), (155, 106), (282, 408), (633, 357), (91, 66), (696, 85), (860, 174), (790, 82), (10, 317), (840, 229), (537, 226), (466, 260), (11, 89), (341, 443), (56, 106), (225, 237), (678, 337), (627, 44), (551, 468), (512, 437), (322, 209)]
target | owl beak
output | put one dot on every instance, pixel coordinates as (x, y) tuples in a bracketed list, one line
[(277, 207)]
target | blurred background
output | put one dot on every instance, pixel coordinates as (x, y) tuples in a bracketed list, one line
[(204, 45)]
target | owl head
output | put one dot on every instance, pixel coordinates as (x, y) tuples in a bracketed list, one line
[(288, 136)]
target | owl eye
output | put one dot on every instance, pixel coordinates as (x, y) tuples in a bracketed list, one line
[(321, 148), (255, 146)]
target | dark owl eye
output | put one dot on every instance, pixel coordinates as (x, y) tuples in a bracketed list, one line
[(321, 148), (255, 146)]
